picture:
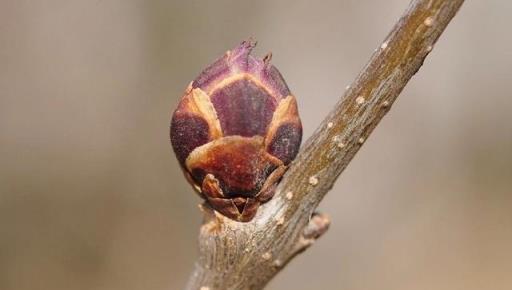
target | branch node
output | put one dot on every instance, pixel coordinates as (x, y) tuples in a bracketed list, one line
[(317, 226)]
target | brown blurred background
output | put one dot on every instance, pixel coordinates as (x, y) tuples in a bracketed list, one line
[(91, 196)]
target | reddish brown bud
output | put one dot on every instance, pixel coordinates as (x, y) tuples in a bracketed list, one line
[(235, 130)]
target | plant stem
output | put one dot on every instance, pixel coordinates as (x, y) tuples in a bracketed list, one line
[(246, 256)]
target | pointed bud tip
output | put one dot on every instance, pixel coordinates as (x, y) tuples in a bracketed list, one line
[(267, 59), (244, 49)]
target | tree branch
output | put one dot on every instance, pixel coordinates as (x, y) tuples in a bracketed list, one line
[(245, 256)]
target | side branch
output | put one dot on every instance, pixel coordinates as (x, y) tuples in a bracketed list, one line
[(245, 256)]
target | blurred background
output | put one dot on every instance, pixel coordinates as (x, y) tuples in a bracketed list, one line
[(91, 195)]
